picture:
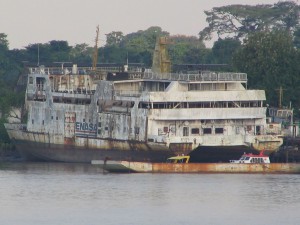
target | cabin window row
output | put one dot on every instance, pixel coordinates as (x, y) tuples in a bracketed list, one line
[(194, 131), (256, 160), (43, 121), (77, 101)]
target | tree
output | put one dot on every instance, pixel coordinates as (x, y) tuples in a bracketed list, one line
[(3, 41), (186, 50), (50, 52), (238, 21), (114, 38), (297, 38), (143, 40), (59, 50), (137, 47), (81, 53), (223, 50), (271, 62)]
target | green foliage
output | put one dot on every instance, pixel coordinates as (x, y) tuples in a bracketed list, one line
[(114, 38), (297, 38), (53, 51), (136, 47), (271, 62), (81, 53), (3, 42), (187, 50), (238, 21), (223, 50), (3, 134)]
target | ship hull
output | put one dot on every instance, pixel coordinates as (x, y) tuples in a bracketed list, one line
[(60, 153), (35, 151), (216, 154), (42, 147)]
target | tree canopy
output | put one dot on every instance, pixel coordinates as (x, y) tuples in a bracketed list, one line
[(271, 62), (238, 21)]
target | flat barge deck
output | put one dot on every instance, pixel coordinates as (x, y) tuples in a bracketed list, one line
[(144, 167)]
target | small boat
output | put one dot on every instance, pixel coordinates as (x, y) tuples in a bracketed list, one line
[(179, 159), (251, 158)]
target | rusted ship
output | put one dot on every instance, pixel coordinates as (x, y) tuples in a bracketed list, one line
[(78, 114)]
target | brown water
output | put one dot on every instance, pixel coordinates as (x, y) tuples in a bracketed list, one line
[(76, 194)]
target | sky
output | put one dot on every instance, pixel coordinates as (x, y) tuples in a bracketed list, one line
[(28, 22)]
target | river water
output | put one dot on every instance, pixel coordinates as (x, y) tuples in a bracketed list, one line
[(76, 194)]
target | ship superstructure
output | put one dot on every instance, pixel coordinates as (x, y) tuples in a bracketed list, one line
[(77, 115)]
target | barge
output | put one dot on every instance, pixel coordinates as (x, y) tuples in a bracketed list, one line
[(144, 167)]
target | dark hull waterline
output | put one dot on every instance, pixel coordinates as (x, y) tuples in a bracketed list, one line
[(34, 151)]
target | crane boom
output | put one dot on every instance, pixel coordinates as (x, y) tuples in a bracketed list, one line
[(95, 56)]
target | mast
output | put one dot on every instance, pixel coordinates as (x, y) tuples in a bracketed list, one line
[(280, 97), (95, 56)]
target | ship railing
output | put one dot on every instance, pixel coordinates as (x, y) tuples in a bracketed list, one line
[(232, 77), (128, 93), (203, 76), (79, 70)]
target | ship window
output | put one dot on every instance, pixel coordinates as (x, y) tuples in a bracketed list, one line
[(195, 131), (99, 124), (43, 122), (106, 128), (185, 131), (257, 130), (83, 120), (136, 130), (150, 140), (99, 131), (219, 131), (57, 118), (30, 80), (32, 121), (207, 131), (166, 129), (51, 117)]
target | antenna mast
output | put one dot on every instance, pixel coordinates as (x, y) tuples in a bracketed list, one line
[(38, 64), (280, 96), (95, 57)]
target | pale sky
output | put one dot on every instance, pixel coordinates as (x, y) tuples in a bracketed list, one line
[(40, 21)]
